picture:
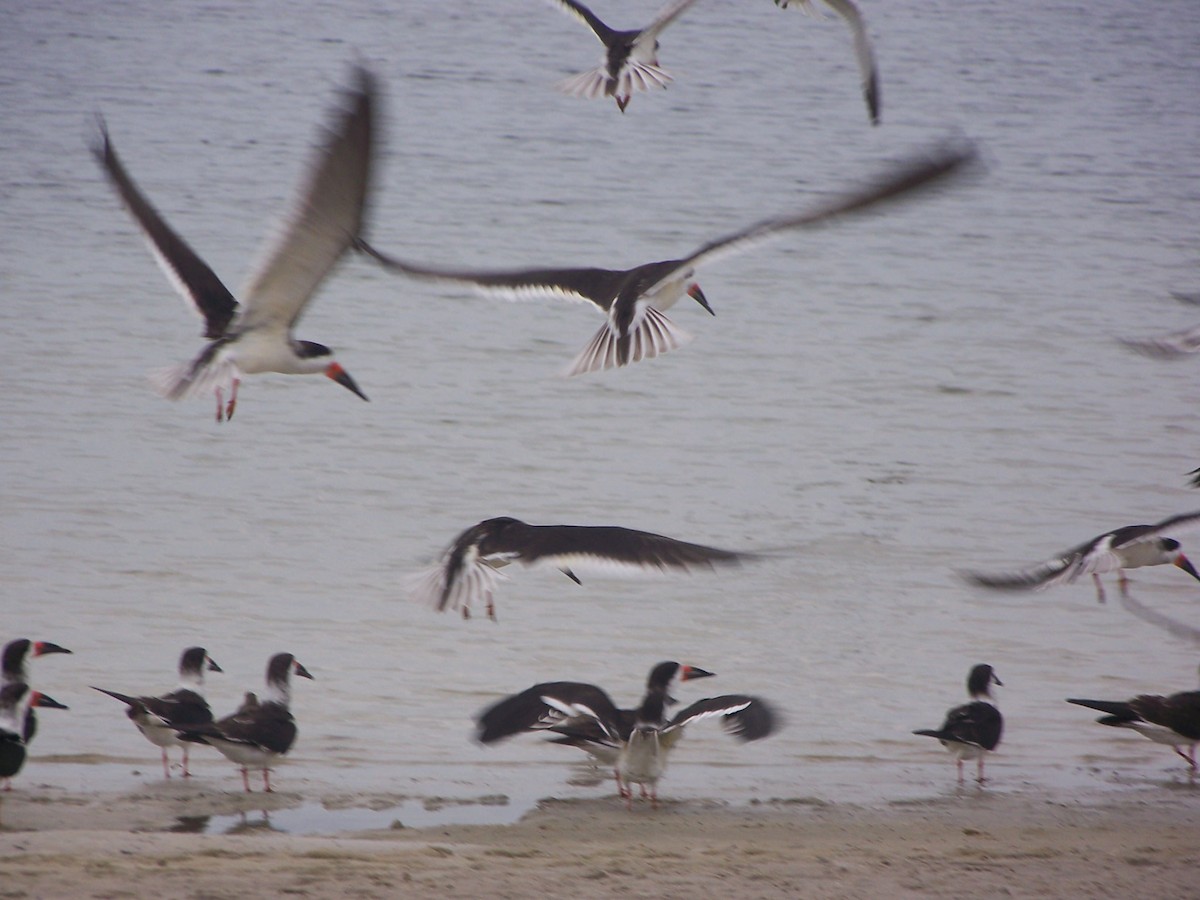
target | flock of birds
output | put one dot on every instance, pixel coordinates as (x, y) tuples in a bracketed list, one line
[(255, 334)]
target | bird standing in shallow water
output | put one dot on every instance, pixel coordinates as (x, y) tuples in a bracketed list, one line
[(160, 719), (262, 730), (1130, 547), (635, 742), (1173, 720), (973, 730), (256, 336), (17, 699)]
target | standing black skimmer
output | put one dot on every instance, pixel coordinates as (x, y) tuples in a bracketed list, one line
[(1130, 547), (261, 731), (862, 47), (630, 57), (160, 718), (972, 730), (468, 572), (14, 668), (16, 701), (633, 299), (256, 336), (1173, 720), (636, 743)]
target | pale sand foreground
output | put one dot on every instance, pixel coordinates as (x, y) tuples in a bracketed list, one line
[(974, 844)]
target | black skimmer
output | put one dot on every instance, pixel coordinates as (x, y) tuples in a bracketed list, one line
[(16, 701), (972, 730), (630, 57), (1173, 720), (468, 572), (159, 719), (262, 730), (635, 742), (14, 668), (849, 11), (633, 299), (1130, 547), (256, 336)]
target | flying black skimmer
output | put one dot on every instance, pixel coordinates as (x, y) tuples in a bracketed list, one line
[(256, 335), (630, 57), (468, 572), (633, 300), (16, 700), (849, 11), (1173, 720), (14, 668), (159, 719), (636, 744), (262, 730), (972, 730), (1130, 547)]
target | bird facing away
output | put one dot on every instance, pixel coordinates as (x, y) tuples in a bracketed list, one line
[(468, 572), (14, 668), (972, 730), (633, 300), (1130, 547), (159, 719), (630, 57), (262, 730), (16, 701), (635, 742), (863, 50), (256, 335), (1173, 720)]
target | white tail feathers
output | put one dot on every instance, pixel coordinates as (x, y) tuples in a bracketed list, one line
[(654, 335)]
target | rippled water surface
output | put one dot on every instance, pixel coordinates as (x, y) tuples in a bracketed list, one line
[(880, 402)]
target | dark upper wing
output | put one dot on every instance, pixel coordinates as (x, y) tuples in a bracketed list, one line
[(545, 705), (1179, 712), (587, 285), (746, 718), (587, 17), (180, 708), (933, 167), (1042, 575), (266, 725), (187, 271), (975, 723), (610, 545)]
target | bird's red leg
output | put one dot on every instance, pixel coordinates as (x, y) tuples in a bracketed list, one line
[(245, 780), (958, 763), (220, 405), (232, 399), (979, 771), (186, 772), (1100, 598), (267, 781)]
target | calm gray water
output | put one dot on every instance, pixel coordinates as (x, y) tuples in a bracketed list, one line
[(930, 388)]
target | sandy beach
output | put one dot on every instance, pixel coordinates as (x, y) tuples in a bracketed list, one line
[(972, 843)]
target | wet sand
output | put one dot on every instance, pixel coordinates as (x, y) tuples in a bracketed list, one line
[(973, 843)]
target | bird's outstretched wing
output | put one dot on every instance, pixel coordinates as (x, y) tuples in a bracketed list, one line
[(326, 217)]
